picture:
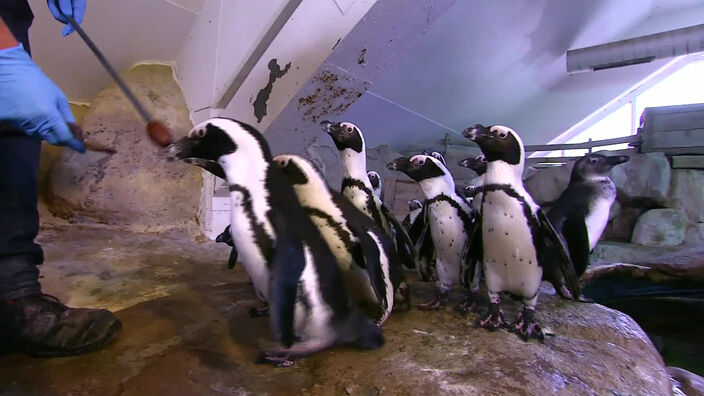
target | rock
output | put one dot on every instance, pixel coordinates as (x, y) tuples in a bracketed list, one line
[(546, 185), (687, 382), (643, 181), (615, 252), (687, 193), (620, 227), (694, 234), (660, 227), (327, 160), (136, 188)]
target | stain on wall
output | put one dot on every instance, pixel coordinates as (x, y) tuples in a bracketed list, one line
[(333, 95), (275, 72)]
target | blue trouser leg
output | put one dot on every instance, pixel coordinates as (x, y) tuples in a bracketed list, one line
[(19, 218)]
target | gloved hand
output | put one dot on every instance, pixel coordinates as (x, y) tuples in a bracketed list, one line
[(29, 100), (73, 8)]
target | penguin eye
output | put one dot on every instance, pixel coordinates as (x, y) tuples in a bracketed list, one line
[(349, 129), (593, 160), (502, 134), (421, 161)]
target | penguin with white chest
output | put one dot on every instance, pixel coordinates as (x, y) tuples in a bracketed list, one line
[(414, 209), (282, 251), (358, 189), (369, 266), (581, 212), (448, 216), (516, 239), (474, 189), (375, 181)]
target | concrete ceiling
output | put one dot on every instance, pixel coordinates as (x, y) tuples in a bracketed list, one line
[(504, 62)]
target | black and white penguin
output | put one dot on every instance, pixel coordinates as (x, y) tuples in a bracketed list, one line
[(358, 189), (288, 261), (448, 216), (474, 188), (414, 209), (580, 214), (516, 239), (375, 181), (368, 262), (226, 238)]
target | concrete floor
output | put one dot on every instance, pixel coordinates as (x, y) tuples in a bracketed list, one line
[(187, 332)]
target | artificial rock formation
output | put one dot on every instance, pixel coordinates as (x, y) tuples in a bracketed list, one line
[(660, 227), (136, 188), (644, 180)]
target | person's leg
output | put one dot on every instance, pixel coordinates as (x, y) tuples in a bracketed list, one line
[(19, 219)]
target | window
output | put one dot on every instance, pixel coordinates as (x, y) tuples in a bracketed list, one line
[(679, 82)]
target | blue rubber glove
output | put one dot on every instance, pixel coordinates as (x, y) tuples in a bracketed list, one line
[(73, 8), (29, 100)]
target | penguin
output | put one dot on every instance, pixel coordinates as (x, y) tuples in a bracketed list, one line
[(226, 238), (448, 216), (414, 209), (375, 181), (516, 240), (474, 189), (358, 189), (369, 266), (282, 251), (581, 212)]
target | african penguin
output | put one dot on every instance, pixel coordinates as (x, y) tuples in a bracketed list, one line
[(414, 209), (358, 189), (368, 263), (580, 214), (516, 239), (473, 190), (448, 216), (375, 181), (288, 261)]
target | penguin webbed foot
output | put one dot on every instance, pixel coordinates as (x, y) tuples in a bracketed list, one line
[(437, 302), (259, 312), (469, 304), (526, 327), (494, 319), (563, 292), (278, 358)]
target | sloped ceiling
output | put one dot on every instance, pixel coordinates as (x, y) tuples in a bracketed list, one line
[(482, 61), (504, 62)]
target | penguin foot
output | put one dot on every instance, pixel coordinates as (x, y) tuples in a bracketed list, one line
[(276, 357), (438, 302), (469, 304), (526, 327), (494, 319), (259, 312), (564, 293)]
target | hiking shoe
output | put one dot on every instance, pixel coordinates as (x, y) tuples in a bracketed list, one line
[(39, 325)]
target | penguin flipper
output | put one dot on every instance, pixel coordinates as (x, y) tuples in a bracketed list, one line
[(371, 250), (474, 253), (417, 227), (286, 269), (404, 246), (555, 253), (574, 229), (232, 260), (426, 254)]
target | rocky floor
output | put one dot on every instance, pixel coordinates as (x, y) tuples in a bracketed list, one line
[(187, 332)]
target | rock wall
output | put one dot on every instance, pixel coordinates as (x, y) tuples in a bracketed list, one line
[(657, 206), (136, 188)]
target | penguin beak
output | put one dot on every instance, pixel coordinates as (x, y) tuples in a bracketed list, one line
[(181, 149), (465, 163), (399, 164), (618, 159), (330, 128), (476, 132)]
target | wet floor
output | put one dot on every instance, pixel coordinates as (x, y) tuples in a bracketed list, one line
[(187, 332)]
